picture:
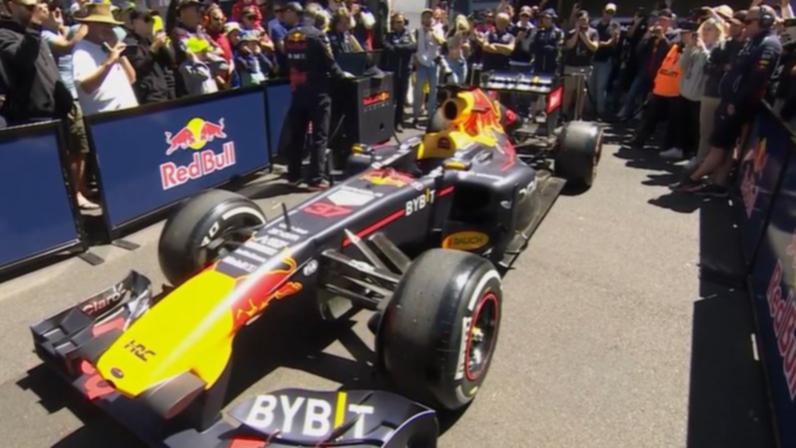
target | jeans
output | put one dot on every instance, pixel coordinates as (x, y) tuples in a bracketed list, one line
[(458, 71), (425, 74), (635, 95), (598, 84)]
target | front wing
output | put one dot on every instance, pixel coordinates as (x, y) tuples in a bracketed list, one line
[(303, 418), (71, 342)]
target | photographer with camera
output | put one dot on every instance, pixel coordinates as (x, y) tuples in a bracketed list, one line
[(628, 56), (151, 57), (651, 51), (580, 46), (524, 32)]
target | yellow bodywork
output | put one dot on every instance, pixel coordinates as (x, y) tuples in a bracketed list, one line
[(187, 331), (477, 120)]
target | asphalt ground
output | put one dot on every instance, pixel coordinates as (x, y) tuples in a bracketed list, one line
[(609, 338)]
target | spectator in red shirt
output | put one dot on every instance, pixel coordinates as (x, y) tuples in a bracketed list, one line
[(214, 24), (240, 5)]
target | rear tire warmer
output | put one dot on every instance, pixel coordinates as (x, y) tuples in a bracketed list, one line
[(440, 329), (182, 249)]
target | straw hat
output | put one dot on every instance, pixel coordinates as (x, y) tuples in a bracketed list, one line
[(724, 11), (26, 2), (99, 13)]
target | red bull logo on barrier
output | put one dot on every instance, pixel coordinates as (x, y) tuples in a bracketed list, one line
[(782, 308), (196, 134)]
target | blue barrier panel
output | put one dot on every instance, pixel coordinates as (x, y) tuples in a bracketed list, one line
[(152, 157), (772, 284), (279, 96), (39, 214), (760, 172)]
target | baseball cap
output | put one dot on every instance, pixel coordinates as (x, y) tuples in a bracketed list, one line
[(26, 2), (666, 13), (526, 11), (293, 6), (231, 26), (610, 7), (550, 12), (249, 36)]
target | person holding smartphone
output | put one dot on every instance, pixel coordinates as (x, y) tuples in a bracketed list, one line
[(580, 45), (103, 75), (32, 89), (151, 57)]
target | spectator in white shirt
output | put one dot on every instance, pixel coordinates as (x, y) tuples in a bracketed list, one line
[(103, 76)]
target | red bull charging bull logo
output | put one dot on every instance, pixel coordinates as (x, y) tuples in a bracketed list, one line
[(782, 309), (196, 134)]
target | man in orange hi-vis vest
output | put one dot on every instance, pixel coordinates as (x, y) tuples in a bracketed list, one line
[(665, 91)]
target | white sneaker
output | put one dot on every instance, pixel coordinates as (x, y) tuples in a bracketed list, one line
[(691, 164), (672, 153)]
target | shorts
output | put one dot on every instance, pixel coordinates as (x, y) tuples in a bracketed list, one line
[(727, 128), (76, 137)]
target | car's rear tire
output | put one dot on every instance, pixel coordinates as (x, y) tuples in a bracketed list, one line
[(183, 248), (579, 151), (439, 331)]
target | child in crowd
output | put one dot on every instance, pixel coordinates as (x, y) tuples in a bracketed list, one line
[(233, 33), (251, 65), (196, 71), (249, 23)]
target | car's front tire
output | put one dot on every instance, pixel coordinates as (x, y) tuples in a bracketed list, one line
[(185, 243), (439, 331)]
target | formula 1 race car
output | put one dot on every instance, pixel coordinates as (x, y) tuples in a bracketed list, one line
[(419, 234)]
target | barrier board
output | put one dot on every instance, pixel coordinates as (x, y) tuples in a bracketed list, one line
[(759, 174), (151, 157), (39, 215), (279, 96)]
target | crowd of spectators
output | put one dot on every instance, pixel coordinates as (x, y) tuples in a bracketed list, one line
[(66, 58)]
